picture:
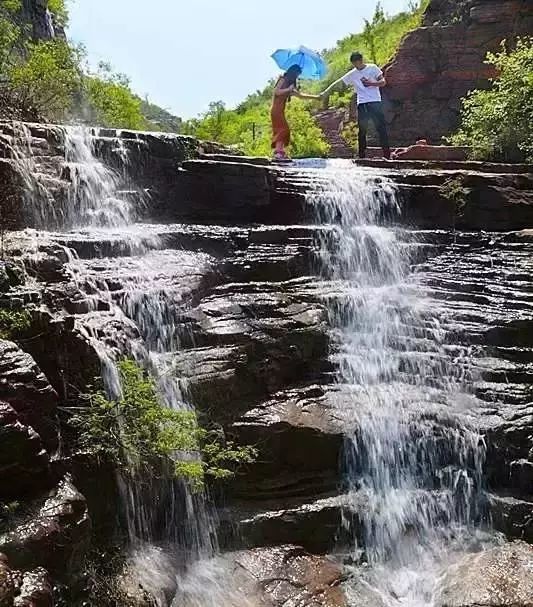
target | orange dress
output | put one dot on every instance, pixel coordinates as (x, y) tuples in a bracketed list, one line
[(281, 132)]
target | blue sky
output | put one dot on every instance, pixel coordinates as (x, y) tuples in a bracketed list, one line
[(185, 53)]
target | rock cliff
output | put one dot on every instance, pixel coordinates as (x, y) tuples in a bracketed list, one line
[(438, 63)]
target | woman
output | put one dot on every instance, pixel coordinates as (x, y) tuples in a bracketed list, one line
[(286, 87)]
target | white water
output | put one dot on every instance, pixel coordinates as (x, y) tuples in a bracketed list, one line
[(414, 456), (171, 530)]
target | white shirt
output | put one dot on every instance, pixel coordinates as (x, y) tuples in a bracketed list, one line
[(364, 94)]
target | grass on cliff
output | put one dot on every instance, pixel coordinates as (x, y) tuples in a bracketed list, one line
[(498, 123), (141, 435), (248, 125)]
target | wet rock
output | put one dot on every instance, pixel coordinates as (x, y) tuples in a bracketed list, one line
[(64, 353), (500, 577), (36, 590), (317, 525), (11, 275), (299, 441), (23, 461), (512, 516), (7, 582), (288, 575), (55, 534), (207, 190), (26, 389), (256, 340)]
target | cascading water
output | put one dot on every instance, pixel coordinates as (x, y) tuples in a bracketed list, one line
[(172, 535), (413, 456)]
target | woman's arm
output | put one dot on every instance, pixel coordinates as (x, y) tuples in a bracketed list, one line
[(281, 91), (306, 95)]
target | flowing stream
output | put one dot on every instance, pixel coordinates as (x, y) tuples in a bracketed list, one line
[(413, 457)]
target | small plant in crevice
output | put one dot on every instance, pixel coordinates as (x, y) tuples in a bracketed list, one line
[(13, 323), (454, 190), (9, 512), (141, 435)]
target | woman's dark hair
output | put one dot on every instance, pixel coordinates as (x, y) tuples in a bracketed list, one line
[(291, 75)]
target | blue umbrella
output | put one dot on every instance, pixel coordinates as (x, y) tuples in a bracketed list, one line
[(312, 64)]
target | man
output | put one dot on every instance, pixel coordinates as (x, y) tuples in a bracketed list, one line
[(367, 80)]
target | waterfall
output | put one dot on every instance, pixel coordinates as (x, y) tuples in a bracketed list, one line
[(413, 455), (171, 529)]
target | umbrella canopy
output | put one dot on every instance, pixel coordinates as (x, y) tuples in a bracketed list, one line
[(312, 64)]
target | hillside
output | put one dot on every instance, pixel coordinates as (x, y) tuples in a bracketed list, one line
[(44, 77), (248, 125)]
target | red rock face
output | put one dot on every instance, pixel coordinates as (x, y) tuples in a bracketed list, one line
[(438, 63)]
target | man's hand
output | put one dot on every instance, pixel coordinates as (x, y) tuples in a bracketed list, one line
[(367, 83)]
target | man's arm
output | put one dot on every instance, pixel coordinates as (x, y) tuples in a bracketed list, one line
[(379, 82), (338, 85)]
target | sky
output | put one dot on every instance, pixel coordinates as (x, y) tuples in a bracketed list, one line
[(183, 54)]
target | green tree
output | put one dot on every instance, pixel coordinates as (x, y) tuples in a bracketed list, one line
[(59, 9), (48, 78), (142, 436), (111, 101), (497, 123)]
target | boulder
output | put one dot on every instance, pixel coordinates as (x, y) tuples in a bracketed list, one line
[(24, 464), (7, 582), (317, 526), (36, 590), (500, 577), (27, 390), (512, 516), (299, 443), (287, 575), (55, 533)]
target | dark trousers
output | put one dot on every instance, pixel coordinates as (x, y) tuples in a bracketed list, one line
[(367, 112)]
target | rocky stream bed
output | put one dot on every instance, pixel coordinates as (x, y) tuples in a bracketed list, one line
[(370, 334)]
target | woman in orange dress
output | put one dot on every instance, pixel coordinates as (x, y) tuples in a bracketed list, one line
[(286, 87)]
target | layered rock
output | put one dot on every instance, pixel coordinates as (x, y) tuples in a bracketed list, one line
[(440, 62), (500, 577), (238, 297)]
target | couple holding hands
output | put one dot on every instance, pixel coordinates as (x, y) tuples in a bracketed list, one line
[(366, 79)]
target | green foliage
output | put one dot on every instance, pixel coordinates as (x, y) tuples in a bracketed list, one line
[(453, 189), (378, 43), (59, 8), (497, 123), (49, 77), (10, 34), (13, 323), (140, 434), (248, 127), (350, 134), (11, 6), (111, 100)]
